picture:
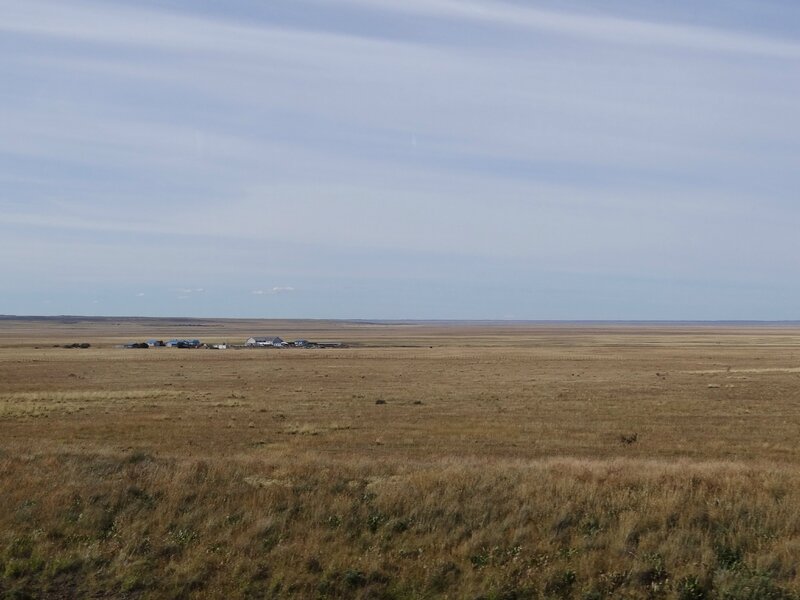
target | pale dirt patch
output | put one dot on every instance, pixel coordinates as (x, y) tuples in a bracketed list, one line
[(257, 481)]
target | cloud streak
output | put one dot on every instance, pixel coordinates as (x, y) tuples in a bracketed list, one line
[(601, 28), (172, 31)]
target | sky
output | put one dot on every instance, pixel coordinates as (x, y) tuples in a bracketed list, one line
[(401, 159)]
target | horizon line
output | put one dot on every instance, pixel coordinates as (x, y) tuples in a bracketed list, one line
[(399, 321)]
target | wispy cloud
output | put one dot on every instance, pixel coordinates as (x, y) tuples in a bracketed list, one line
[(275, 290), (168, 31), (172, 31), (602, 28)]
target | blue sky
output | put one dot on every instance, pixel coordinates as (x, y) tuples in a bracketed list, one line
[(401, 159)]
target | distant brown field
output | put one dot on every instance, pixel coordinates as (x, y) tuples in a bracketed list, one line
[(423, 461)]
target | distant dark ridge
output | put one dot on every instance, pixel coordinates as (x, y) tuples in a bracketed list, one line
[(89, 319), (569, 322), (68, 319)]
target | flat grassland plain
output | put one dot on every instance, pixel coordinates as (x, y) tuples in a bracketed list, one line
[(426, 460)]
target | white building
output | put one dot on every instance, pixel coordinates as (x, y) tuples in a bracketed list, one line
[(264, 342)]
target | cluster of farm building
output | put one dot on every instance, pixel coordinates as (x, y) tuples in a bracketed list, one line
[(252, 342)]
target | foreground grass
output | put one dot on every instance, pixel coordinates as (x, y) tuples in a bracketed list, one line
[(135, 525)]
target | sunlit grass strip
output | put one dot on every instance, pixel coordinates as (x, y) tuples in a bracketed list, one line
[(84, 396), (32, 404)]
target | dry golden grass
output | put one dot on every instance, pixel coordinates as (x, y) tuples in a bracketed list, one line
[(504, 462)]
